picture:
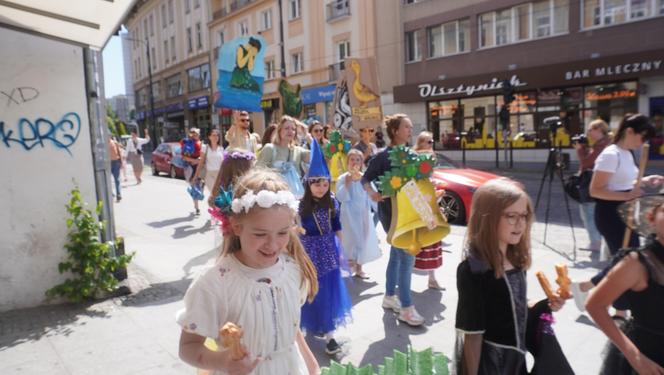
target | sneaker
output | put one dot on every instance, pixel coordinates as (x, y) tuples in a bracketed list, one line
[(198, 212), (410, 316), (332, 347), (392, 302), (119, 198), (579, 296)]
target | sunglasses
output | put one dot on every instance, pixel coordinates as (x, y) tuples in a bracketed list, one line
[(317, 131), (244, 120), (430, 141), (367, 130)]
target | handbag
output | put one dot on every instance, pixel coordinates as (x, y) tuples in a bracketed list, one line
[(571, 187), (584, 187), (202, 169), (290, 175)]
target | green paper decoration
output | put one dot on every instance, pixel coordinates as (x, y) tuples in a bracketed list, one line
[(336, 144), (406, 165), (425, 362)]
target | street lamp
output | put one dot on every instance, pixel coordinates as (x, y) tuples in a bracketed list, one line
[(153, 132)]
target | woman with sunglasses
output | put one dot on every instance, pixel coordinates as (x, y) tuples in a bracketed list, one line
[(365, 145), (317, 132)]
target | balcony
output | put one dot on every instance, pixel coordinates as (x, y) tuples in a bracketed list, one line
[(337, 9), (220, 13), (336, 71), (238, 4)]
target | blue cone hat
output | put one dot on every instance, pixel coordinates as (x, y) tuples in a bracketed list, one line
[(318, 167)]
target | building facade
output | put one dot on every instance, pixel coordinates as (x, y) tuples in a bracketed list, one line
[(128, 71), (575, 59), (317, 36), (174, 34), (121, 106)]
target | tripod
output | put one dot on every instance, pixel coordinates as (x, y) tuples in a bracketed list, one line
[(554, 167)]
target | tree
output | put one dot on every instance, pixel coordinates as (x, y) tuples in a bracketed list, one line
[(112, 121)]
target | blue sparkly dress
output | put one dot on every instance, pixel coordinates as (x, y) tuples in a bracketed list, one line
[(332, 304)]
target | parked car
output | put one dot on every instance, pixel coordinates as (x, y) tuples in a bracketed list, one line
[(162, 160), (459, 184)]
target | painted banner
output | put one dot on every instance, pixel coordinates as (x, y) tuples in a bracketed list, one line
[(241, 74), (364, 92), (290, 98), (342, 112)]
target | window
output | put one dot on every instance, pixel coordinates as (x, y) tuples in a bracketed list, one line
[(610, 12), (541, 19), (173, 56), (222, 38), (163, 16), (197, 4), (560, 16), (522, 22), (145, 27), (243, 28), (151, 24), (504, 27), (140, 70), (171, 10), (464, 33), (270, 72), (199, 37), (486, 30), (156, 91), (297, 62), (412, 48), (450, 38), (343, 50), (189, 41), (435, 41), (173, 86), (199, 77), (266, 19), (294, 7), (165, 52), (187, 6)]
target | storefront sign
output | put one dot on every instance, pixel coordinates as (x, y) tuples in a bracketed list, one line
[(198, 102), (428, 90), (318, 94), (169, 108), (269, 104), (613, 70)]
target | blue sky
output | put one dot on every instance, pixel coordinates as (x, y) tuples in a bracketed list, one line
[(113, 68)]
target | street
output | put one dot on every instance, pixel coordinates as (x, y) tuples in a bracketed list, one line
[(137, 334)]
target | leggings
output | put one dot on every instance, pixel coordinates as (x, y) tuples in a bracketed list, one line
[(612, 228)]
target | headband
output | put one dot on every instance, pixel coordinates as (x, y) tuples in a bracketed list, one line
[(264, 199)]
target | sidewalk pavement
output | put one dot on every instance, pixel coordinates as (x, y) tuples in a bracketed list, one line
[(137, 334)]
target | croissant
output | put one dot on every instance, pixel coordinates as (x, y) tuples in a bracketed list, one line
[(230, 335)]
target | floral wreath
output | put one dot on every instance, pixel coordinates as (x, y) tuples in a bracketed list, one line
[(239, 154), (264, 199)]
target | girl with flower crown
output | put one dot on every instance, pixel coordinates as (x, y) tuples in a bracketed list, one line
[(319, 215), (259, 284)]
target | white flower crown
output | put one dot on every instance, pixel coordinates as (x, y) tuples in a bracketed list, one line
[(264, 199)]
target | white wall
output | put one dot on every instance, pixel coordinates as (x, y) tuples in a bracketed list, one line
[(42, 156)]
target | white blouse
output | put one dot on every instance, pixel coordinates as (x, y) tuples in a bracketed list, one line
[(214, 158), (620, 163), (264, 302)]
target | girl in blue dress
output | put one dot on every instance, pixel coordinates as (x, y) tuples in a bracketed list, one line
[(319, 215)]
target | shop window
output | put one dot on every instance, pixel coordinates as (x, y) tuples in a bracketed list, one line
[(610, 95), (412, 48), (523, 102)]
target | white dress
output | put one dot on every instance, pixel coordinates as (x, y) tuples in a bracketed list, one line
[(359, 239), (264, 302)]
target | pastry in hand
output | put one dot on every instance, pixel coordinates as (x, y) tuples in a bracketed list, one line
[(230, 335), (546, 286), (563, 281), (355, 173)]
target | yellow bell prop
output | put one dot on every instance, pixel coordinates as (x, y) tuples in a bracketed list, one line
[(416, 218), (337, 165)]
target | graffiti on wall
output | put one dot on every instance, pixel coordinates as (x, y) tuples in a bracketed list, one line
[(41, 131)]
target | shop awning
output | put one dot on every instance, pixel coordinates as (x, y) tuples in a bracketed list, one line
[(87, 22)]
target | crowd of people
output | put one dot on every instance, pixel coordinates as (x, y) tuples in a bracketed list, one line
[(289, 238)]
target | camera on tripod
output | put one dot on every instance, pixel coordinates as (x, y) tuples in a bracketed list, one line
[(553, 123), (581, 139)]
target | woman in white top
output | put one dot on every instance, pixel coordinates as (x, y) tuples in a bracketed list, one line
[(135, 153), (213, 156), (614, 182)]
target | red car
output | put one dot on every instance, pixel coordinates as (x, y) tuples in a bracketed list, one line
[(162, 160), (459, 184)]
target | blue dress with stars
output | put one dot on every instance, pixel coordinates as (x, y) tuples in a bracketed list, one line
[(332, 304)]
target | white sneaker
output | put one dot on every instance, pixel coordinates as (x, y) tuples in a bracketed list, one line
[(579, 296), (410, 316), (392, 302)]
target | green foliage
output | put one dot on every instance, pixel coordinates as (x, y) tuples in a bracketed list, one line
[(406, 165), (89, 260), (112, 121), (425, 362)]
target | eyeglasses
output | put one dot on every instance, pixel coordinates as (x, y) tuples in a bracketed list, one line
[(367, 130), (514, 218)]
